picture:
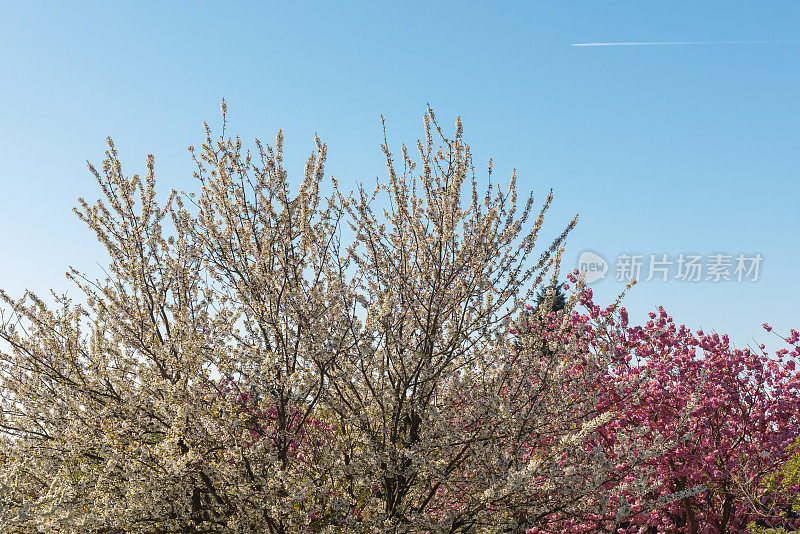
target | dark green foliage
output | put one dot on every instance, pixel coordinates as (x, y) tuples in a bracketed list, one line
[(559, 299)]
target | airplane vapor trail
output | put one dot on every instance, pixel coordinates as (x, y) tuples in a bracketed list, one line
[(675, 43)]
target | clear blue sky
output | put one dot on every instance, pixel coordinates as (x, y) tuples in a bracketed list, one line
[(662, 150)]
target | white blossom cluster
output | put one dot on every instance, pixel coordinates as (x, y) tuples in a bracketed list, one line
[(242, 369)]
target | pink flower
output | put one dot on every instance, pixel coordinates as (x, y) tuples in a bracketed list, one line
[(794, 337)]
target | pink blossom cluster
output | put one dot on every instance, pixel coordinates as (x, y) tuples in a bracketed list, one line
[(725, 416)]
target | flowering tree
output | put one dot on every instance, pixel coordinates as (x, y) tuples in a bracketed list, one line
[(725, 415), (241, 369), (742, 417)]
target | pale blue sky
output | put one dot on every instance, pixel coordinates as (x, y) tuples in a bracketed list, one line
[(663, 150)]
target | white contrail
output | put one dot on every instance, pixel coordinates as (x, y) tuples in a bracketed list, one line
[(673, 43)]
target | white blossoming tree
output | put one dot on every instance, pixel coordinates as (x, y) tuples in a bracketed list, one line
[(241, 369)]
